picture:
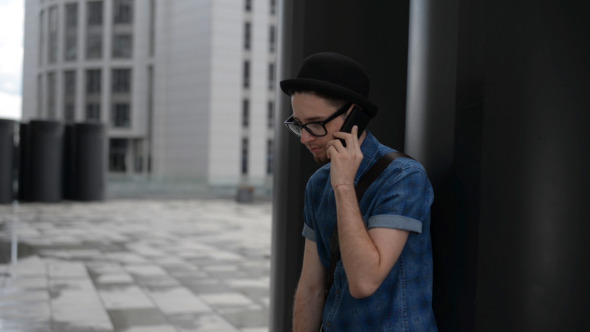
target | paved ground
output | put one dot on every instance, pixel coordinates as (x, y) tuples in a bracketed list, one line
[(136, 266)]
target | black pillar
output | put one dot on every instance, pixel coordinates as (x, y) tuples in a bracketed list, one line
[(375, 33), (46, 159), (511, 183), (6, 160), (90, 140)]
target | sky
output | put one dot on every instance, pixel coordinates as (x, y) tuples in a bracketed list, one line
[(11, 54)]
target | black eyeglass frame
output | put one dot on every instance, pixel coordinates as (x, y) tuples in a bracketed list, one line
[(290, 122)]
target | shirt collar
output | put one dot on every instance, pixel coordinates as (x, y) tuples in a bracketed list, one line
[(369, 148)]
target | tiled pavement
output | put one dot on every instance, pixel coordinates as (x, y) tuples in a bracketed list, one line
[(136, 266)]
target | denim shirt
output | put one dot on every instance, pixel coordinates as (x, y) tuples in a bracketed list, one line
[(399, 198)]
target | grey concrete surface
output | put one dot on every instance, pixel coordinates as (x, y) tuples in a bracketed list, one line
[(150, 265)]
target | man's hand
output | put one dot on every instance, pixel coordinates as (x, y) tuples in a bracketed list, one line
[(345, 160)]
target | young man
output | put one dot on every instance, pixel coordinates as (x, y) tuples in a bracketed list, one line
[(383, 281)]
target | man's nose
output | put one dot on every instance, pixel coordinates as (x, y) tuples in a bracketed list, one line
[(306, 137)]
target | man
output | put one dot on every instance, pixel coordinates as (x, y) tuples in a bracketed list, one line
[(383, 281)]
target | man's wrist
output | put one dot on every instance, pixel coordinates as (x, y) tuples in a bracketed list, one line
[(343, 187)]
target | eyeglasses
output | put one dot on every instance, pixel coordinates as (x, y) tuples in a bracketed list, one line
[(315, 128)]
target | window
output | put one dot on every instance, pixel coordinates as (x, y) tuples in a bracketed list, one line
[(94, 30), (41, 36), (93, 111), (69, 112), (244, 156), (93, 92), (245, 113), (247, 35), (69, 83), (120, 116), (122, 47), (52, 44), (93, 81), (271, 76), (272, 39), (122, 11), (94, 46), (246, 74), (71, 32), (69, 95), (94, 13), (51, 96), (117, 154), (248, 5), (273, 7), (121, 81)]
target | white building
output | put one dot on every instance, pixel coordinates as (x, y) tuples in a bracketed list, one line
[(186, 87)]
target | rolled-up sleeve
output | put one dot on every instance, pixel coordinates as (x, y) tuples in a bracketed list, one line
[(403, 198)]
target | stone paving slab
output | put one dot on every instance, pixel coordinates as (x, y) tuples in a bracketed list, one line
[(137, 266)]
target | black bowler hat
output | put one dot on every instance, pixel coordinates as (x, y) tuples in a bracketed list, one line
[(334, 75)]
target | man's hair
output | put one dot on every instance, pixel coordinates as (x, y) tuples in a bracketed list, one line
[(331, 100)]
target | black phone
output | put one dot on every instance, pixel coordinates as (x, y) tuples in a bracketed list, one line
[(356, 117)]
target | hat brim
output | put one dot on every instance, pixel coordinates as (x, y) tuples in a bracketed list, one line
[(290, 85)]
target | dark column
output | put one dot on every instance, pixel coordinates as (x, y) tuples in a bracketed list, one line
[(90, 161), (534, 251), (375, 34), (7, 160), (24, 167), (46, 160), (510, 169)]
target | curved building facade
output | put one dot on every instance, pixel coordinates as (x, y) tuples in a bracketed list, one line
[(186, 88)]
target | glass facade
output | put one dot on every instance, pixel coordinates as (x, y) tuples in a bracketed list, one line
[(94, 27), (71, 32)]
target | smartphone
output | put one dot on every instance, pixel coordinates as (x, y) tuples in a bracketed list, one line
[(356, 117)]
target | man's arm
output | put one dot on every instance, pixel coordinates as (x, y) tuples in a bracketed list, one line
[(309, 297), (368, 256)]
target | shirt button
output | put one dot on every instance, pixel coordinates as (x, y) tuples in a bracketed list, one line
[(329, 324)]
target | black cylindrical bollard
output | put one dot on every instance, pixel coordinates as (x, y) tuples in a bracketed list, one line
[(24, 167), (90, 161), (69, 162), (46, 160), (6, 160)]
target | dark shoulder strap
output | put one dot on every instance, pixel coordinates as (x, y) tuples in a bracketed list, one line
[(364, 182)]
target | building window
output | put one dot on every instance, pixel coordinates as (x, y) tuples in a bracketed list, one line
[(51, 96), (117, 155), (270, 114), (52, 44), (273, 7), (269, 152), (152, 26), (93, 111), (122, 47), (94, 13), (93, 81), (272, 39), (246, 74), (121, 81), (245, 113), (69, 95), (244, 156), (120, 117), (122, 11), (248, 5), (41, 36), (93, 92), (94, 30), (271, 76), (71, 32), (247, 35)]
